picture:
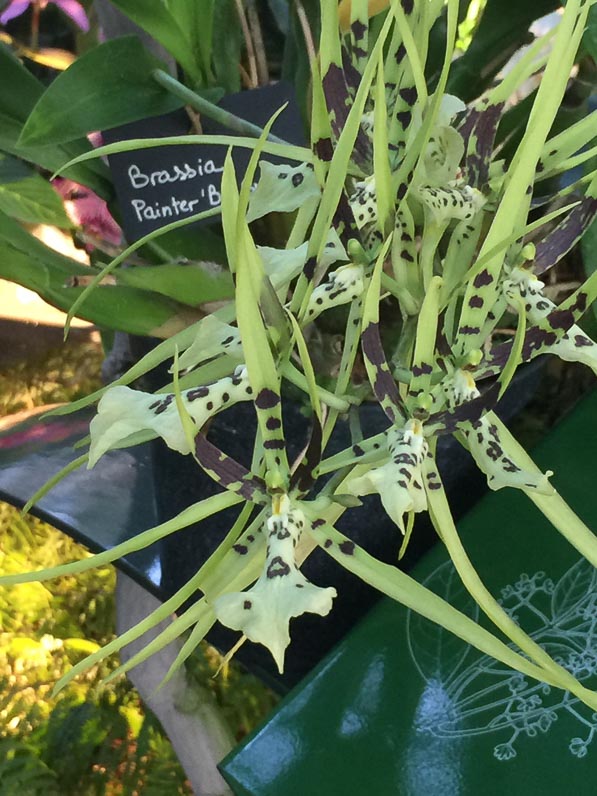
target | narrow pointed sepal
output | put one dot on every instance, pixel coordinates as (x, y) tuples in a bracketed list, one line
[(487, 450)]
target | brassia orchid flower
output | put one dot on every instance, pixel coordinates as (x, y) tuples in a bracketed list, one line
[(71, 8), (401, 199)]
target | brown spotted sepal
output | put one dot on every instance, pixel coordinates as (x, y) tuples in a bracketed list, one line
[(227, 472), (342, 285), (399, 482), (213, 337), (282, 188), (125, 416), (282, 592), (363, 202), (486, 448), (567, 340)]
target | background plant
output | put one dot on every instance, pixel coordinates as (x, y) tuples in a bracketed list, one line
[(118, 745)]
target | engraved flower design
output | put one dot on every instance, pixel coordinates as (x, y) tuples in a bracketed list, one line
[(264, 611), (504, 751)]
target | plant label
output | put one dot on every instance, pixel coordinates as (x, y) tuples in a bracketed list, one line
[(168, 183)]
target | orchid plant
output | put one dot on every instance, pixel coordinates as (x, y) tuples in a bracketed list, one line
[(402, 198)]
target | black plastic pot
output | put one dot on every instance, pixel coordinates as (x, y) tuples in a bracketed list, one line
[(179, 483)]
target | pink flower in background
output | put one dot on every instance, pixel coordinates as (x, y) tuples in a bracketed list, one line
[(71, 8), (87, 210)]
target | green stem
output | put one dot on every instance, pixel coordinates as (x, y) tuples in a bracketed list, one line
[(225, 118), (34, 41)]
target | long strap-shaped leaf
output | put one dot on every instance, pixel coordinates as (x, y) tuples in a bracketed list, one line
[(190, 516)]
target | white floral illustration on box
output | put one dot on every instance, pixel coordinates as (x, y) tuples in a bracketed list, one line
[(469, 694)]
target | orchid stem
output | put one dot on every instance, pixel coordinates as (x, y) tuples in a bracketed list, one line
[(36, 9), (223, 117)]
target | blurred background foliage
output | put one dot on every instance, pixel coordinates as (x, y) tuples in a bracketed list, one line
[(89, 739)]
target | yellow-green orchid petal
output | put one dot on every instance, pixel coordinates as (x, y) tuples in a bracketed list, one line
[(264, 611), (123, 413)]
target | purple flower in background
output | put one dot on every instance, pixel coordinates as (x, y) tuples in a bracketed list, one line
[(71, 8)]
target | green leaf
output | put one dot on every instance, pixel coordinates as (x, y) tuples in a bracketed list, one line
[(156, 19), (108, 86), (502, 30), (28, 262), (226, 45), (19, 92), (27, 196), (192, 284), (196, 18)]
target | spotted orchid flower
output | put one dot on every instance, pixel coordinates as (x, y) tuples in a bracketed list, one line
[(574, 345), (399, 482), (125, 416), (264, 611), (487, 450), (342, 285), (459, 388), (440, 184)]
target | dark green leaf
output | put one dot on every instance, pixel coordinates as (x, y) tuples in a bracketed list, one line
[(192, 284), (227, 43), (159, 22), (19, 92), (589, 248), (34, 201), (281, 13), (589, 41), (26, 261), (108, 86), (196, 18), (503, 29)]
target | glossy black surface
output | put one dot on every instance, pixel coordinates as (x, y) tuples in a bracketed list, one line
[(132, 490)]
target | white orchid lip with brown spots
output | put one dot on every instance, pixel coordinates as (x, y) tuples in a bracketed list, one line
[(282, 592), (399, 482)]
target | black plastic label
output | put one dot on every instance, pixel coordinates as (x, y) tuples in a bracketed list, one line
[(167, 183)]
